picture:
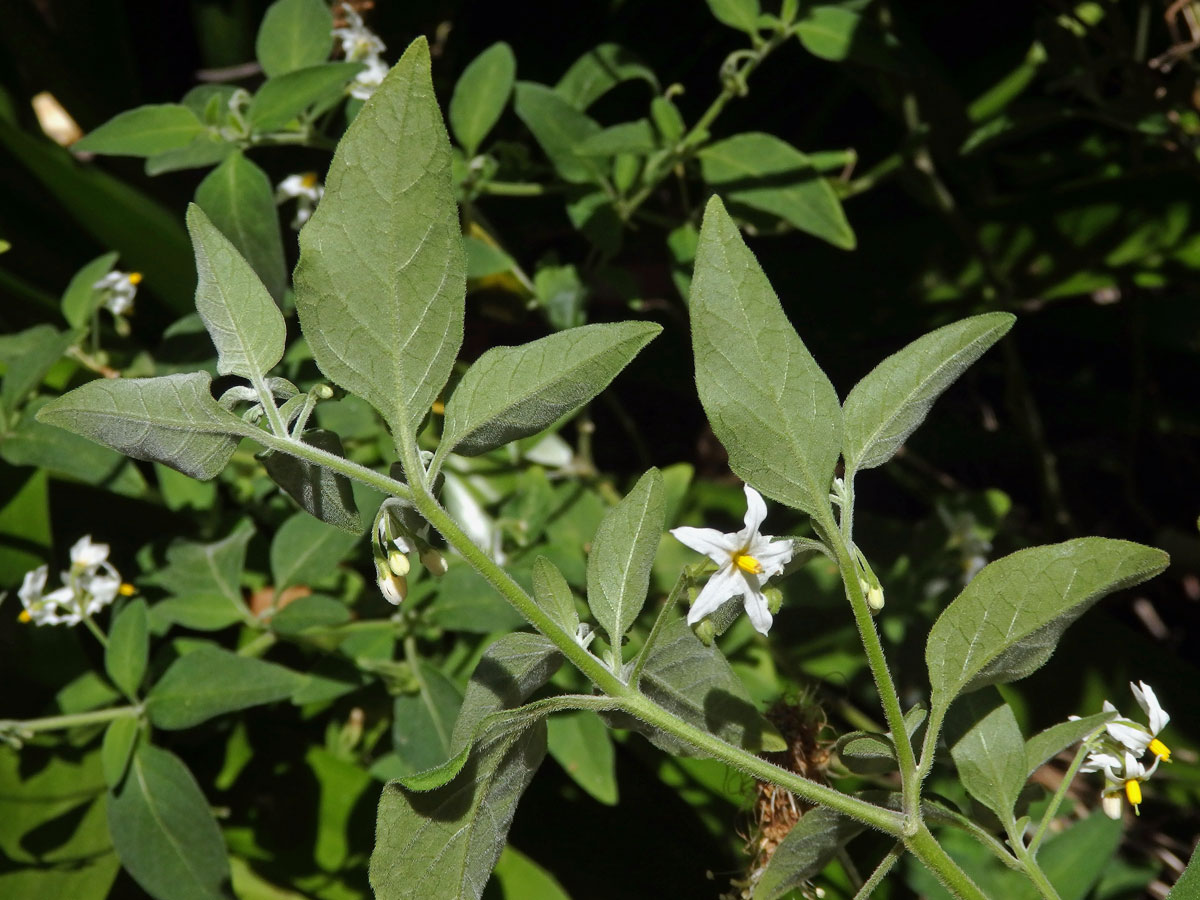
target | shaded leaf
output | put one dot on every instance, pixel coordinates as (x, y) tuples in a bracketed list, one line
[(560, 129), (422, 723), (739, 14), (81, 299), (209, 682), (283, 97), (552, 593), (313, 611), (305, 550), (321, 492), (480, 95), (600, 70), (988, 750), (120, 739), (579, 742), (294, 34), (128, 648), (805, 850), (628, 137), (768, 401), (1047, 744), (143, 131)]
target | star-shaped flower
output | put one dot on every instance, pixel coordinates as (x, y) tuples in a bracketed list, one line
[(745, 560), (1121, 776), (1137, 738)]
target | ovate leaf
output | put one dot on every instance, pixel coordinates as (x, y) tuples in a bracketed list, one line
[(1070, 859), (445, 843), (1007, 621), (481, 94), (512, 392), (173, 420), (128, 647), (560, 129), (381, 278), (238, 199), (245, 324), (320, 491), (294, 34), (580, 743), (739, 14), (116, 750), (214, 569), (144, 131), (552, 593), (618, 575), (988, 750), (284, 97), (305, 550), (1045, 745), (600, 70), (804, 851), (767, 174), (768, 401), (80, 299), (209, 682), (894, 399), (627, 137), (164, 832), (422, 723)]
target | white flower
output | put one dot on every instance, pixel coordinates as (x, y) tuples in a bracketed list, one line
[(88, 586), (1121, 776), (1134, 736), (361, 44), (305, 189), (120, 288), (746, 559)]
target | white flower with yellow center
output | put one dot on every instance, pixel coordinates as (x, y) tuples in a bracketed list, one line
[(88, 586), (360, 44), (1134, 736), (306, 189), (119, 290), (1121, 777), (745, 560)]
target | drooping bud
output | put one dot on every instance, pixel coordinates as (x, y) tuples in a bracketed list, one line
[(398, 563), (393, 587), (433, 560), (774, 599)]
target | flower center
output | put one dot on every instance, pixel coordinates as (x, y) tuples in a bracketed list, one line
[(135, 278), (1133, 791), (747, 563), (1159, 749), (309, 179)]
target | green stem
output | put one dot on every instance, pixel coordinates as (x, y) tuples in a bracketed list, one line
[(942, 815), (512, 188), (879, 669), (1029, 864), (267, 399), (1057, 799), (74, 720), (95, 629), (339, 464), (881, 870), (259, 645), (924, 847)]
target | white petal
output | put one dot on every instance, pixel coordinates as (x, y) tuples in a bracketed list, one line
[(33, 585), (723, 585), (772, 554), (87, 555), (756, 609), (1111, 804), (712, 543), (1149, 703), (756, 511), (1133, 736)]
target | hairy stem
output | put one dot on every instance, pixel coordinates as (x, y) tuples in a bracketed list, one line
[(74, 720), (1057, 799), (881, 870), (924, 847)]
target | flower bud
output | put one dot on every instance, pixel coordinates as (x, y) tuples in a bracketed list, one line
[(398, 563), (433, 561), (393, 587), (705, 630), (774, 599)]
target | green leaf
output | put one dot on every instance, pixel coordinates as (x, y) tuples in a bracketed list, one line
[(739, 14), (381, 278), (216, 568), (521, 878), (199, 612), (1070, 859), (483, 259), (164, 832), (838, 34), (1045, 745), (445, 843), (988, 750), (306, 550), (579, 742), (120, 739), (627, 137), (321, 492), (552, 593), (696, 683), (294, 34), (284, 97), (768, 401), (668, 121), (144, 131), (893, 400), (245, 324), (238, 199), (867, 753), (1007, 621), (422, 723), (206, 150), (209, 682), (512, 392), (559, 128), (804, 851), (128, 648), (600, 70), (313, 611), (618, 574), (467, 602), (481, 94), (172, 419), (510, 670), (33, 353), (1188, 885), (763, 173), (81, 299)]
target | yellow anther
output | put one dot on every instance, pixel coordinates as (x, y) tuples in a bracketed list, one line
[(439, 408), (1161, 750), (135, 277), (24, 616), (126, 590), (748, 563), (1133, 792), (309, 179)]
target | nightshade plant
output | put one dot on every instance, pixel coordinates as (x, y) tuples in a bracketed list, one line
[(379, 294)]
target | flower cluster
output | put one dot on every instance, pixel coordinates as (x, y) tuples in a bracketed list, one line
[(361, 44), (119, 289), (1120, 751), (88, 586), (745, 560), (397, 533)]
